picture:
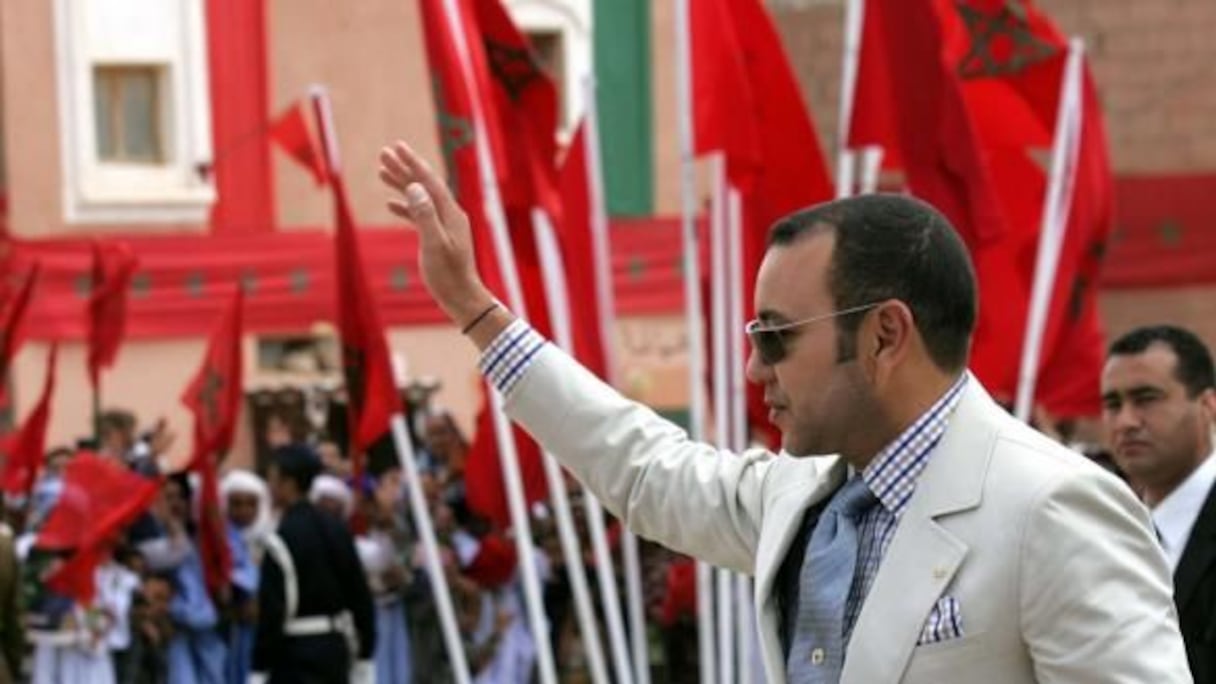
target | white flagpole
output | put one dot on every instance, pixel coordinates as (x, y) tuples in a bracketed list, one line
[(692, 306), (846, 160), (639, 637), (602, 262), (721, 404), (1057, 203), (509, 458), (405, 449), (746, 628), (554, 277), (871, 167), (430, 550)]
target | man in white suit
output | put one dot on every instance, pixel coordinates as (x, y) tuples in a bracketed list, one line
[(980, 550)]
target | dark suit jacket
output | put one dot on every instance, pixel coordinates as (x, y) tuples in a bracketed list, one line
[(330, 580), (1195, 593)]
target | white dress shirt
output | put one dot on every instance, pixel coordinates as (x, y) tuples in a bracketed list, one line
[(1176, 514)]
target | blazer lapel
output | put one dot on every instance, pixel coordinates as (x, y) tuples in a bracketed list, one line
[(780, 526), (1199, 555), (923, 555)]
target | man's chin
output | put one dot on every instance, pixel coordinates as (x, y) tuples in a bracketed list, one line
[(796, 448)]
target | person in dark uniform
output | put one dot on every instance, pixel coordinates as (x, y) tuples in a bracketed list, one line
[(316, 620)]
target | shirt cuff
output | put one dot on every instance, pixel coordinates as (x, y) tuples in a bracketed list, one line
[(510, 355)]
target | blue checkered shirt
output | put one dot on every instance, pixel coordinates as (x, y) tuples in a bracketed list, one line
[(510, 354), (892, 477)]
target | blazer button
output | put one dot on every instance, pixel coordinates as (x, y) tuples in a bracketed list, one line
[(817, 656)]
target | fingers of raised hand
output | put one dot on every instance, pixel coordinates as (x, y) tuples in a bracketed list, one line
[(419, 209), (404, 166), (393, 172)]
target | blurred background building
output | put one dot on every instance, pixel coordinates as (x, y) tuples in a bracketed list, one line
[(149, 121)]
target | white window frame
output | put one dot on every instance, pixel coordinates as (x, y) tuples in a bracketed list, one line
[(107, 192)]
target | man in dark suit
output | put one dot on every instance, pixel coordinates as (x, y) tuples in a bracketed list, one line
[(1159, 397), (316, 619)]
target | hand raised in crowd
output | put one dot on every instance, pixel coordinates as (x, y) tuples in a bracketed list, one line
[(162, 438)]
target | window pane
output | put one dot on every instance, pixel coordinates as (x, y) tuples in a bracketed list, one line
[(103, 97), (127, 111), (139, 116)]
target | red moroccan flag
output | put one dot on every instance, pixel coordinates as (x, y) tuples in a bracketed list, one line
[(100, 498), (523, 119), (873, 112), (371, 389), (578, 253), (791, 174), (944, 160), (213, 548), (485, 491), (1010, 59), (214, 397), (12, 322), (290, 131), (114, 265), (23, 450), (778, 172), (723, 95), (994, 69), (460, 85), (483, 65), (1070, 377)]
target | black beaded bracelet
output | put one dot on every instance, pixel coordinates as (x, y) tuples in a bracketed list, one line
[(473, 324)]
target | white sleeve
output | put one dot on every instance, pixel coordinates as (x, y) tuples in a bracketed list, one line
[(686, 495)]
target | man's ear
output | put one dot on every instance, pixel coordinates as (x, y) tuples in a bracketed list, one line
[(884, 339), (1207, 399), (892, 331)]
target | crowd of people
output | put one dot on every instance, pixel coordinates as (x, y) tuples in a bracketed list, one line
[(154, 620)]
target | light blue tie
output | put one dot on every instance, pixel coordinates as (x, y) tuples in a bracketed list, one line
[(817, 650)]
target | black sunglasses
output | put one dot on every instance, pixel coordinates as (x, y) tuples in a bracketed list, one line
[(770, 341)]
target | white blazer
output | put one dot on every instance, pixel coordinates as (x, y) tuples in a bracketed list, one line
[(1051, 560)]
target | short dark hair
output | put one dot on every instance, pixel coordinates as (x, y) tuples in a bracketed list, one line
[(299, 463), (894, 247), (120, 420), (1194, 367)]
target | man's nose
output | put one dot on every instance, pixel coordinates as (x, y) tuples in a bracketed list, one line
[(1127, 418), (757, 371)]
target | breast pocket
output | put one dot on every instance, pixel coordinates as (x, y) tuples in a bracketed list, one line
[(945, 622), (963, 659)]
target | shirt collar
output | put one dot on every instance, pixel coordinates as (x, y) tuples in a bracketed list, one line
[(893, 473), (1175, 515)]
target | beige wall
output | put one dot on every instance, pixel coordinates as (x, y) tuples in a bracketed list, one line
[(666, 139), (370, 55), (31, 118), (1190, 307)]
